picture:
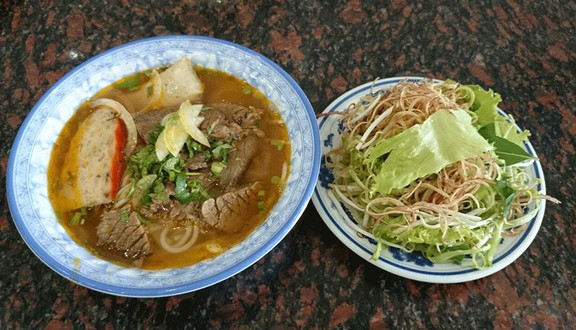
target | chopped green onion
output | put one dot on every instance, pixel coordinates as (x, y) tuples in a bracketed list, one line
[(222, 150), (246, 90), (130, 84), (261, 193), (261, 206), (142, 219), (275, 179), (150, 90), (75, 219), (217, 168), (279, 144), (124, 216)]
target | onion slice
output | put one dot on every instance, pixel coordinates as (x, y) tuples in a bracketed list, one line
[(190, 119)]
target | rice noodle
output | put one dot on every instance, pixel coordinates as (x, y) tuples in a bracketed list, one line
[(284, 172), (183, 242)]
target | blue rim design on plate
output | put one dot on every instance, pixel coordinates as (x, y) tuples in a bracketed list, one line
[(291, 215), (424, 273)]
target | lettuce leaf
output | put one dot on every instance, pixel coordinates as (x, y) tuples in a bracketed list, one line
[(444, 138), (485, 105), (486, 108), (429, 236)]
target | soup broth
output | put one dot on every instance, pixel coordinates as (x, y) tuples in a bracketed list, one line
[(268, 168)]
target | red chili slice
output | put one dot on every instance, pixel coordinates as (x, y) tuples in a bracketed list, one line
[(118, 165)]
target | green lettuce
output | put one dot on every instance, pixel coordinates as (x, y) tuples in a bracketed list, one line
[(486, 108), (445, 137), (485, 105), (499, 130)]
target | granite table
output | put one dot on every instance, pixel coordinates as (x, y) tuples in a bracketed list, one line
[(525, 50)]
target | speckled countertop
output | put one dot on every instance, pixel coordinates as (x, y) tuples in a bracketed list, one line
[(525, 50)]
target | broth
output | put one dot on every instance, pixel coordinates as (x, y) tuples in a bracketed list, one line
[(268, 165)]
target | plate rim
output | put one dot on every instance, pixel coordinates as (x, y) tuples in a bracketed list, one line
[(386, 264), (99, 284)]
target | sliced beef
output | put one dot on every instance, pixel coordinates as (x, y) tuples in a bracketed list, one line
[(239, 160), (246, 117), (225, 121), (196, 163), (219, 126), (146, 121), (170, 211), (228, 211), (127, 237)]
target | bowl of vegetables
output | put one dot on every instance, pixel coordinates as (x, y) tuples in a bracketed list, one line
[(429, 179)]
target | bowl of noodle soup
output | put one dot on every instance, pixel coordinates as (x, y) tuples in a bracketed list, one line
[(346, 218), (27, 180)]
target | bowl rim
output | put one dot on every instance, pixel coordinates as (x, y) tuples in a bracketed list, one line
[(186, 287)]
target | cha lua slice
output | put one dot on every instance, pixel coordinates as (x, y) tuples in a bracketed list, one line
[(96, 161)]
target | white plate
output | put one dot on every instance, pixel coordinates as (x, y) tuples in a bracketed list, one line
[(409, 265), (26, 178)]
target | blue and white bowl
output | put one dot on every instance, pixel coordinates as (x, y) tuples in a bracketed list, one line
[(27, 178), (409, 265)]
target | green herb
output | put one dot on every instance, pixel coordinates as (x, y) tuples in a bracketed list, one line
[(506, 150), (75, 219), (261, 193), (279, 144), (142, 190), (181, 192), (246, 90), (186, 192), (198, 190), (130, 84), (159, 192), (143, 162), (275, 179), (222, 150), (150, 90), (217, 168), (124, 216), (261, 206), (173, 163), (142, 219), (193, 147), (153, 134)]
